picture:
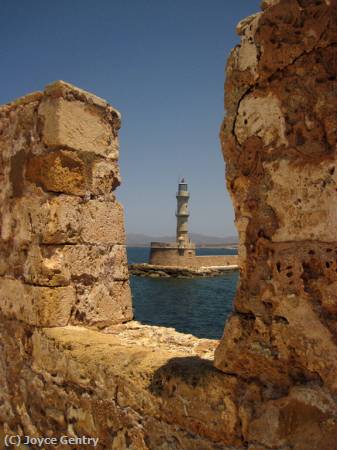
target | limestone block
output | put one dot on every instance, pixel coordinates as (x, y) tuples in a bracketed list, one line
[(58, 221), (44, 267), (260, 116), (77, 125), (311, 339), (105, 177), (87, 262), (52, 265), (39, 306), (94, 221), (251, 348), (63, 219), (102, 222), (59, 171), (103, 303), (64, 171), (309, 408), (294, 196), (61, 88), (119, 261), (16, 219)]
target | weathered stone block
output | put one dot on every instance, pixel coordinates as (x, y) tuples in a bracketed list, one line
[(102, 222), (103, 303), (59, 171), (68, 220), (260, 116), (77, 125), (64, 171), (294, 200), (45, 266), (96, 262), (309, 408), (63, 219), (105, 177), (40, 306), (51, 265)]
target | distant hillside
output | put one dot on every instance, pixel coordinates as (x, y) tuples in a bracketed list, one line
[(136, 240)]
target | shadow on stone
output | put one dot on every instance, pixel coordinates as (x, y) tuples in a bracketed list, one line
[(193, 371)]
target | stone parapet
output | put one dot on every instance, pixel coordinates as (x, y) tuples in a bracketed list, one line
[(62, 243), (116, 386)]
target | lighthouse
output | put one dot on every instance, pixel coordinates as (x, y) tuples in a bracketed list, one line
[(182, 251), (172, 259), (182, 214)]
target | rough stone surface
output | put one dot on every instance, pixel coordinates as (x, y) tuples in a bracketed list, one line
[(117, 386), (279, 143), (77, 125), (36, 305), (62, 245), (273, 382)]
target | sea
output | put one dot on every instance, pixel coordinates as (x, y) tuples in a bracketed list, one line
[(198, 306)]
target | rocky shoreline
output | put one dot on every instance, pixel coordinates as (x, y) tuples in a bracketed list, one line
[(158, 271)]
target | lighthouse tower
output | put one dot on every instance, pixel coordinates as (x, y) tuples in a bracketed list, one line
[(182, 214), (181, 252)]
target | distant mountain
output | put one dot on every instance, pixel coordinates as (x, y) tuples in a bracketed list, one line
[(135, 239)]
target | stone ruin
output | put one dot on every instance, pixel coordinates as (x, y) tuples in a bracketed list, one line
[(62, 245), (71, 361), (279, 140)]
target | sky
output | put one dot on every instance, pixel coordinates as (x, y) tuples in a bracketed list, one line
[(161, 64)]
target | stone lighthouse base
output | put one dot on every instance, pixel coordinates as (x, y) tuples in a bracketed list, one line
[(167, 259)]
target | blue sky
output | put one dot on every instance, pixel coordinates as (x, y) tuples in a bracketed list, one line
[(161, 64)]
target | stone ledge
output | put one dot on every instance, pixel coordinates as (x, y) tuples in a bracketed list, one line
[(148, 388), (157, 381)]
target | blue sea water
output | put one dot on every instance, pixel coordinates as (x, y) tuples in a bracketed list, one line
[(199, 306)]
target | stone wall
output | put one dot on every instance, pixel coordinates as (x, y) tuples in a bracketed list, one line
[(215, 260), (279, 141), (62, 240), (172, 256)]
